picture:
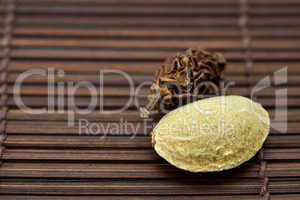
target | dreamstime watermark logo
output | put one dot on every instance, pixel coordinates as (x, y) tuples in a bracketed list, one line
[(279, 79), (121, 127), (61, 99), (61, 95)]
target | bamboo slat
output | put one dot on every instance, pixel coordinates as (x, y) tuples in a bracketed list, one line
[(134, 187), (151, 187), (131, 116), (155, 197), (129, 170), (120, 141), (57, 127), (125, 91), (117, 103)]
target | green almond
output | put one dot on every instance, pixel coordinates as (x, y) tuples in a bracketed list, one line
[(213, 134)]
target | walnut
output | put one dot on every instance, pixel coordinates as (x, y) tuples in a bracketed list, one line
[(185, 78)]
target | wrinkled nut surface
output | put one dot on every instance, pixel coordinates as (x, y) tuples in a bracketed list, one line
[(183, 78), (213, 134)]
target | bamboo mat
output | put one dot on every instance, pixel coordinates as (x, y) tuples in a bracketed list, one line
[(43, 158)]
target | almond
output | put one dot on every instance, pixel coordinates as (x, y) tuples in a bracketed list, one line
[(213, 134)]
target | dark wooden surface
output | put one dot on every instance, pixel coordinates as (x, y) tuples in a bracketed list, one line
[(43, 158)]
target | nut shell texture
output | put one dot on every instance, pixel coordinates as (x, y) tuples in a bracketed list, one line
[(213, 134)]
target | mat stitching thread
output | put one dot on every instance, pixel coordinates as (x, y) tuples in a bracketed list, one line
[(6, 44), (246, 41), (262, 174)]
